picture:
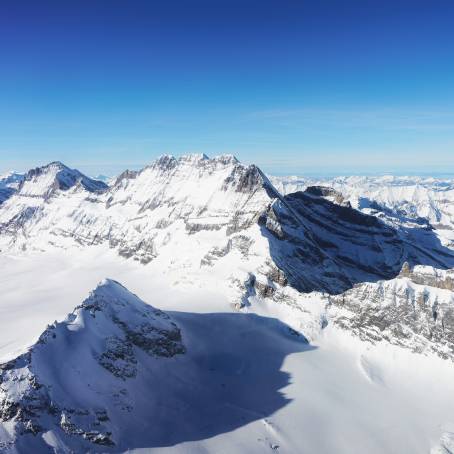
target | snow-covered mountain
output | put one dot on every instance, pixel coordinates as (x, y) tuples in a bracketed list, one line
[(117, 374), (194, 211), (424, 201), (415, 308), (43, 182), (371, 258), (218, 217), (105, 343)]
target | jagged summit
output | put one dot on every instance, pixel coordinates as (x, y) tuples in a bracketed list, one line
[(105, 346), (193, 160), (227, 158), (165, 161), (202, 175), (315, 238), (218, 227), (193, 157), (169, 163), (44, 181)]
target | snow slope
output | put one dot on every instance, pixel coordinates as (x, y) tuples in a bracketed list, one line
[(215, 222), (311, 321), (245, 383)]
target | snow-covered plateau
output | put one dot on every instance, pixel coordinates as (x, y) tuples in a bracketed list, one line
[(199, 306)]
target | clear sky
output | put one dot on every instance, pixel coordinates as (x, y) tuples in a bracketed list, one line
[(295, 86)]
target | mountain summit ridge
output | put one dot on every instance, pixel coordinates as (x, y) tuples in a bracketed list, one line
[(202, 217), (104, 343), (178, 197), (45, 180)]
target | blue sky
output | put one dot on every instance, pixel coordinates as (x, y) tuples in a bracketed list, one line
[(305, 87)]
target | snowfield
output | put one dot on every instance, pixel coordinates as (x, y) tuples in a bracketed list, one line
[(195, 307), (336, 394)]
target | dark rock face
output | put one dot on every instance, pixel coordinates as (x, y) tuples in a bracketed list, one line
[(152, 340), (119, 358), (166, 163), (18, 222), (33, 402), (241, 243), (324, 191), (250, 180), (6, 193), (143, 251), (277, 275), (321, 245)]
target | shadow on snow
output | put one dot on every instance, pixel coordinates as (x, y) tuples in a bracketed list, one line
[(230, 376)]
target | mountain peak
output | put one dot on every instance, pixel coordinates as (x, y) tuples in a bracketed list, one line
[(202, 157), (164, 162), (226, 159), (193, 157), (107, 343), (111, 289), (57, 164), (44, 181), (196, 160)]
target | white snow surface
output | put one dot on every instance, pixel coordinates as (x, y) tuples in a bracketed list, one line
[(246, 382), (338, 394)]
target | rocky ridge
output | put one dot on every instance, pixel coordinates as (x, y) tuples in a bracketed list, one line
[(218, 217), (76, 379)]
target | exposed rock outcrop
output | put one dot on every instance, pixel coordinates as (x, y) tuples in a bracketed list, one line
[(70, 380)]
